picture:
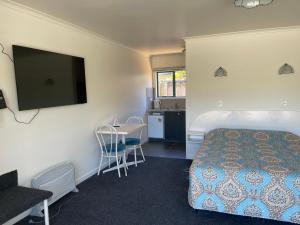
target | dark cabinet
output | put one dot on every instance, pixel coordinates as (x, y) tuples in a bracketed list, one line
[(175, 126)]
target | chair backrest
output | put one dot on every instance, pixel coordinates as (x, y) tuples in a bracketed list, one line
[(107, 136), (136, 120)]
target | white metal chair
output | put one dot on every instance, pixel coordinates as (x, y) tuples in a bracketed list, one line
[(134, 143), (110, 148)]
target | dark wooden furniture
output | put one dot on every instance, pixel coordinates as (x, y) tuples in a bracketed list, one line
[(16, 199), (175, 126)]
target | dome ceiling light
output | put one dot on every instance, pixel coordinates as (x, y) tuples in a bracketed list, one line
[(251, 3)]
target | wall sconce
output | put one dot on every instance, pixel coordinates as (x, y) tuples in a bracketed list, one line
[(221, 72), (286, 69)]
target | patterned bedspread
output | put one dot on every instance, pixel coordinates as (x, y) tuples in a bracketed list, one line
[(248, 172)]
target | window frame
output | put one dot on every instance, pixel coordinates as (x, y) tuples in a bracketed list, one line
[(174, 83)]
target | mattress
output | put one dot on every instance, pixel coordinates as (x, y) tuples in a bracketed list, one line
[(248, 172)]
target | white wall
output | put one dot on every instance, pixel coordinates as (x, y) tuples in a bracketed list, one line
[(173, 60), (253, 90), (116, 78)]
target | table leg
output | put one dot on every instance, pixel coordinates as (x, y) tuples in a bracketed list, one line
[(128, 163), (124, 142), (123, 139), (133, 163), (46, 212), (113, 168), (121, 166)]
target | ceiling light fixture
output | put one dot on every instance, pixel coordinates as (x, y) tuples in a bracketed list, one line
[(251, 3)]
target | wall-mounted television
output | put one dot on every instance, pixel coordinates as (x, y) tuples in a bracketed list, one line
[(47, 79)]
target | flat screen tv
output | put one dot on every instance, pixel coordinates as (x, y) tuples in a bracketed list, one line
[(47, 79)]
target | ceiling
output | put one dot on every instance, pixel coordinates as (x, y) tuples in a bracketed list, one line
[(159, 26)]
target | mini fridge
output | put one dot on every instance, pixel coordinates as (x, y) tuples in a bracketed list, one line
[(156, 126)]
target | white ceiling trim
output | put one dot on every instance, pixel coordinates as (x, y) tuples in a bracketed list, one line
[(44, 16), (246, 32)]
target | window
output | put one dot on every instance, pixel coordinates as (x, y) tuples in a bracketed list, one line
[(171, 83)]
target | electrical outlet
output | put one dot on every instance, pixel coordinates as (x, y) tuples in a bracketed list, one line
[(2, 101)]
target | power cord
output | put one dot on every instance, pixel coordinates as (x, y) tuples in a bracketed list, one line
[(56, 214), (5, 53), (23, 122), (14, 114)]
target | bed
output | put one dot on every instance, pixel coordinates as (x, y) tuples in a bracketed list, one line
[(248, 172)]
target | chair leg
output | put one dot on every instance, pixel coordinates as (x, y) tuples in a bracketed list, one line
[(125, 154), (46, 212), (142, 153), (118, 166), (109, 162), (135, 161), (100, 164), (124, 164)]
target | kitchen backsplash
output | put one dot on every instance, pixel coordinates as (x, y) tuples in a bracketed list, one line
[(172, 103)]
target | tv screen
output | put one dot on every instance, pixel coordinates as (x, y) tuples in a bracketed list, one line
[(47, 79)]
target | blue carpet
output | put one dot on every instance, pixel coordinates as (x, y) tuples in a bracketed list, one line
[(154, 193)]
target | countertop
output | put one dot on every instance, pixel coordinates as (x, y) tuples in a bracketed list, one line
[(166, 110)]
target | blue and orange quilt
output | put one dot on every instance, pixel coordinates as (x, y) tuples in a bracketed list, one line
[(248, 172)]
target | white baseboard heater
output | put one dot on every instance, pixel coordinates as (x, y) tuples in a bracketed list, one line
[(59, 179)]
